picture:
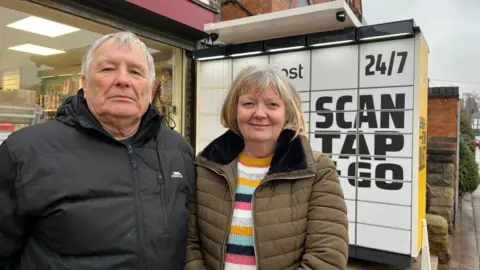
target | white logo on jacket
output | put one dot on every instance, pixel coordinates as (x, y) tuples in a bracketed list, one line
[(176, 175)]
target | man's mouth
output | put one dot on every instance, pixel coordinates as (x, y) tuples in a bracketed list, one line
[(122, 97)]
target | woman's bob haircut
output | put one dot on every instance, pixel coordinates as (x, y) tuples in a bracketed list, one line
[(259, 78)]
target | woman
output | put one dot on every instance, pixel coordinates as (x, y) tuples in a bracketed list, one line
[(264, 199)]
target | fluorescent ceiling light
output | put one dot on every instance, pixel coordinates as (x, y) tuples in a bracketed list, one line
[(42, 27), (211, 57), (386, 36), (152, 51), (244, 54), (286, 49), (331, 43), (35, 49)]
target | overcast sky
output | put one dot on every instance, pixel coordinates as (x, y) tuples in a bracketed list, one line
[(451, 29)]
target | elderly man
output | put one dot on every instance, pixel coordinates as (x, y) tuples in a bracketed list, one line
[(106, 184)]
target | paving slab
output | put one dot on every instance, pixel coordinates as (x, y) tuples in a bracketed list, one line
[(465, 242)]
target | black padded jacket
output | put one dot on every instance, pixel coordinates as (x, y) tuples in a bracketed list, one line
[(72, 197)]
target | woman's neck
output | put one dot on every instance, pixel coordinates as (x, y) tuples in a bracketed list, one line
[(258, 150)]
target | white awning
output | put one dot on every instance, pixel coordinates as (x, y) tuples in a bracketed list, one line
[(290, 22)]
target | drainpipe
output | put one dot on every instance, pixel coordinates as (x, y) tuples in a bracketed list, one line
[(235, 2)]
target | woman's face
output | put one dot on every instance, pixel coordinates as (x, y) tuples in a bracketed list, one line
[(261, 116)]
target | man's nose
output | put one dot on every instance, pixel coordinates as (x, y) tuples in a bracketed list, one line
[(123, 78)]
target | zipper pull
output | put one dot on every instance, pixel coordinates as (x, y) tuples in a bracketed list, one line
[(160, 181), (130, 153), (130, 150)]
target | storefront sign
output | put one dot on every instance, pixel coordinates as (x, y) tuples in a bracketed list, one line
[(365, 106)]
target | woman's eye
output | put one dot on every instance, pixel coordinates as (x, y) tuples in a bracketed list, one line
[(248, 103), (107, 69), (272, 105)]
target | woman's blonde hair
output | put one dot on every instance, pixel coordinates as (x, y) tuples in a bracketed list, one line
[(259, 78)]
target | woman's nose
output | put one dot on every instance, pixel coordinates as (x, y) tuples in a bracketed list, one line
[(260, 112)]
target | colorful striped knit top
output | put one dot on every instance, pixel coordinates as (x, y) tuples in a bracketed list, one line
[(240, 253)]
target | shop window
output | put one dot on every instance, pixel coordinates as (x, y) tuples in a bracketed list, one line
[(40, 64), (213, 5), (167, 92)]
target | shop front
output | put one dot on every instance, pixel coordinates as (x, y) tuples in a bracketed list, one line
[(42, 43)]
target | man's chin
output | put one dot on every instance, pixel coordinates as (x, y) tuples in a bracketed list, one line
[(123, 111)]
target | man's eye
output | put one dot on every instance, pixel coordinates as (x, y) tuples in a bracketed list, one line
[(136, 72)]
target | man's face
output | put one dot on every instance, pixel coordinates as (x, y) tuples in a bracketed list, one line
[(118, 83)]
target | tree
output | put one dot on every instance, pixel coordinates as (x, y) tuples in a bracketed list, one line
[(468, 168)]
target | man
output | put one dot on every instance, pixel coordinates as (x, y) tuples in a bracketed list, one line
[(106, 184)]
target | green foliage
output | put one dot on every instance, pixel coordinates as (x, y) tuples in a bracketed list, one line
[(467, 132), (468, 167)]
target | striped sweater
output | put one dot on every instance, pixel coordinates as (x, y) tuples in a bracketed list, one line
[(240, 253)]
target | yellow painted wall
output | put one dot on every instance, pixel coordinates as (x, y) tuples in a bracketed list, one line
[(422, 159)]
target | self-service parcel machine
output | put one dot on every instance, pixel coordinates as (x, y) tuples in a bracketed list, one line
[(364, 94)]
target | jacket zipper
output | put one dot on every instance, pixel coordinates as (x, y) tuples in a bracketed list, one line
[(161, 188), (232, 197), (253, 213), (141, 245)]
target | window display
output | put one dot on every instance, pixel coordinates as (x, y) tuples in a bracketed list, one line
[(43, 57)]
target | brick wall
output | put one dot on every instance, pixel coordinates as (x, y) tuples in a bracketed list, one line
[(442, 116), (278, 5), (442, 148), (231, 11)]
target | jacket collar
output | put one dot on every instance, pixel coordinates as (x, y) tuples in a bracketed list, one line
[(291, 157), (75, 112)]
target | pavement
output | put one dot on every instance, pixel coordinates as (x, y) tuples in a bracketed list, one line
[(465, 242)]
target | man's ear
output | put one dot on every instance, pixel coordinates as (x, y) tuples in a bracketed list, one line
[(153, 89), (84, 84)]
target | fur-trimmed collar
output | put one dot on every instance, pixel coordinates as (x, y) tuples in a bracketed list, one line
[(290, 155)]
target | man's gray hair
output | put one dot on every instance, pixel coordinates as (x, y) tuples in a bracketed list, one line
[(120, 38)]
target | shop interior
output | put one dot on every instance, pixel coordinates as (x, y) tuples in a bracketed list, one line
[(40, 64)]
